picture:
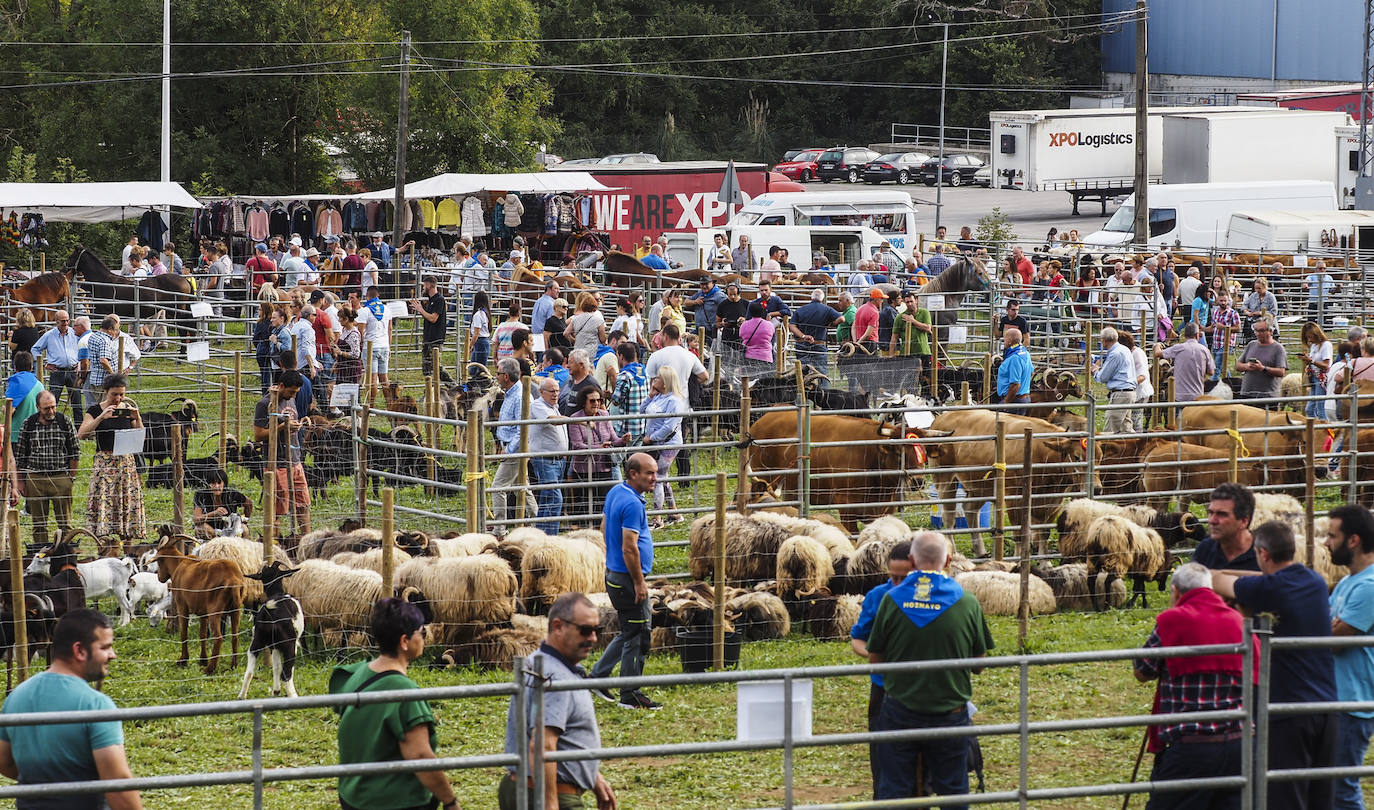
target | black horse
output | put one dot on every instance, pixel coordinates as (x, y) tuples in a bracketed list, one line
[(142, 299)]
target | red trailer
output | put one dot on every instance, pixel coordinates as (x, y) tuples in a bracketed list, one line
[(1332, 97), (653, 198)]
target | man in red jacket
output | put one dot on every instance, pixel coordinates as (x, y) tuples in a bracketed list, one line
[(1188, 750)]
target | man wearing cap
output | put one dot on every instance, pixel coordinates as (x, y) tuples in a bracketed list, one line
[(1014, 373), (381, 251), (274, 250), (820, 264), (706, 301), (293, 267), (311, 273), (261, 269), (866, 321)]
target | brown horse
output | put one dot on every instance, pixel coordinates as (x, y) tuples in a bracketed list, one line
[(170, 293), (43, 294)]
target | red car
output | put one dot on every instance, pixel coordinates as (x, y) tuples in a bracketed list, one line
[(801, 166)]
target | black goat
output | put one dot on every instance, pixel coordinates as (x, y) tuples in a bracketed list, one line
[(157, 444), (395, 460), (63, 585), (831, 399), (195, 473), (40, 621), (250, 457), (331, 452), (277, 627)]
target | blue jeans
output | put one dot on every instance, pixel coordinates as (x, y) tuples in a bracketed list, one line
[(1216, 360), (1316, 408), (631, 644), (1352, 742), (548, 471), (481, 350), (945, 762)]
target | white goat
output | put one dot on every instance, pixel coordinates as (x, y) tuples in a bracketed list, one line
[(142, 587), (107, 576)]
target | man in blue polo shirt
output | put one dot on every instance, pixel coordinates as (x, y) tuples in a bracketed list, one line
[(898, 567), (1297, 596), (1350, 537), (1014, 373), (629, 559)]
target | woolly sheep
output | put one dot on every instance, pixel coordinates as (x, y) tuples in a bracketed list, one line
[(886, 527), (759, 616), (1073, 522), (992, 565), (867, 569), (999, 592), (1120, 547), (335, 599), (323, 544), (554, 566), (525, 535), (247, 554), (464, 545), (803, 566), (1070, 586), (593, 536), (751, 548), (464, 593), (829, 616), (499, 646)]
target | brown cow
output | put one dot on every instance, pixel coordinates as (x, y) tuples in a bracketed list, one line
[(1046, 453), (1278, 434), (861, 494), (1171, 466), (211, 589)]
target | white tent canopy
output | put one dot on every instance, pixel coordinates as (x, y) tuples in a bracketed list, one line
[(451, 185), (92, 202)]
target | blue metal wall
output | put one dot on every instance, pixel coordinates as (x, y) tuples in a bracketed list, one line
[(1317, 39)]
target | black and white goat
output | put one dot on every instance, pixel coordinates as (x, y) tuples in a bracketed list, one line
[(277, 628)]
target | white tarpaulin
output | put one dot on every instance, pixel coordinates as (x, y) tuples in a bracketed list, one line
[(92, 202), (450, 185)]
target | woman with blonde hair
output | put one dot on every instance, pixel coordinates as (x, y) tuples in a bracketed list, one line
[(663, 429), (586, 329), (26, 332), (1316, 362)]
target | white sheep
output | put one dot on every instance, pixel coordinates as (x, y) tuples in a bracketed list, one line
[(999, 592)]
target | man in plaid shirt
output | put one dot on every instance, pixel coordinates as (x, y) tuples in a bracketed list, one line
[(46, 457), (1189, 750), (99, 359)]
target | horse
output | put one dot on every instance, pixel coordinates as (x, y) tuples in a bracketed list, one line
[(43, 294), (170, 292), (964, 275)]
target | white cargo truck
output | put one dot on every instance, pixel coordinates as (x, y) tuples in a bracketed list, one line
[(1318, 233), (1089, 153), (1347, 164), (1196, 215), (1207, 147)]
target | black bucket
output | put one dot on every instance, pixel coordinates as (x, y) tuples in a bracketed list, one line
[(695, 647)]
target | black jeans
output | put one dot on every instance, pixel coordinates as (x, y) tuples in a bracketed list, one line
[(946, 760), (631, 646), (875, 708), (1195, 760), (1302, 741)]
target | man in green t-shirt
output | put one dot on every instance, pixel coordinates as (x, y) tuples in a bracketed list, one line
[(911, 334), (844, 331), (927, 617)]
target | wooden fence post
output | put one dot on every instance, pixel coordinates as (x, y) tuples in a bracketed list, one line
[(472, 490), (1000, 488), (987, 378), (718, 631), (742, 483), (781, 335), (481, 474), (1023, 604), (178, 482), (388, 540)]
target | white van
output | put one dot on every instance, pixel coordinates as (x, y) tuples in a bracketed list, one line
[(1319, 233), (841, 244), (1196, 215), (891, 214)]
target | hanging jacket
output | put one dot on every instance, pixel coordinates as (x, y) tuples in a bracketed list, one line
[(473, 222), (565, 213), (303, 221), (279, 221), (513, 209), (447, 214), (256, 217), (237, 223), (354, 217), (328, 222), (550, 214)]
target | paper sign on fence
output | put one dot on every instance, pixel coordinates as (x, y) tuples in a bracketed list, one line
[(840, 268), (537, 340), (935, 303), (344, 395), (1299, 261), (129, 442), (200, 309), (957, 334), (397, 309), (198, 352)]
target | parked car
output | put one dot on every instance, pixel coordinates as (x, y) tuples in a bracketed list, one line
[(900, 167), (844, 163), (959, 169), (983, 177), (801, 166), (791, 154), (630, 157)]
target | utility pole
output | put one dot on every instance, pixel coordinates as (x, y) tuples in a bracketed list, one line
[(944, 65), (402, 133), (1364, 181), (167, 104), (1142, 124)]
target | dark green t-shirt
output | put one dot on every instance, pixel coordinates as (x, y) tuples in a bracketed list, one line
[(960, 632), (373, 733)]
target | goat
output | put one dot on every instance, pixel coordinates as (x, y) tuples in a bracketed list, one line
[(63, 583), (397, 460), (399, 403), (142, 587), (206, 588), (331, 452), (157, 443), (277, 628), (38, 619), (195, 473), (105, 576)]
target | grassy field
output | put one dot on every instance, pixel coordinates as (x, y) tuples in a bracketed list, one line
[(145, 674)]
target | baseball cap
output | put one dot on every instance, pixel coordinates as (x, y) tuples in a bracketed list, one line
[(876, 294), (818, 255), (296, 240), (260, 247), (317, 295), (376, 234), (516, 255)]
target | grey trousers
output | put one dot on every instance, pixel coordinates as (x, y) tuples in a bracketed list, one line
[(1119, 420), (503, 503)]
